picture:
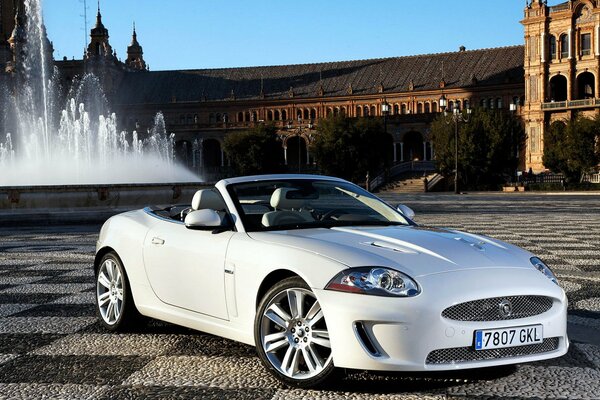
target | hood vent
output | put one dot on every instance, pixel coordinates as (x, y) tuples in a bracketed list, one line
[(390, 246)]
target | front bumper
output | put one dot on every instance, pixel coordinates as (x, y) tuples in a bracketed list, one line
[(404, 331)]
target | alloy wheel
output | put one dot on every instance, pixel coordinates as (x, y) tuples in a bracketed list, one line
[(294, 335), (109, 291)]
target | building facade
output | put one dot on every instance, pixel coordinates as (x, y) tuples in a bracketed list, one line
[(202, 106), (562, 63)]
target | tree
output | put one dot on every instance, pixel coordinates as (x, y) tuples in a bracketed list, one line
[(571, 148), (487, 147), (255, 151), (349, 148)]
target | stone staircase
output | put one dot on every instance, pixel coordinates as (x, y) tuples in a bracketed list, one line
[(407, 184)]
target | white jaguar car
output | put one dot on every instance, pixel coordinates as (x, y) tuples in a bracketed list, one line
[(319, 274)]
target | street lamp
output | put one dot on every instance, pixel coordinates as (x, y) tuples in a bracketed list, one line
[(513, 109), (385, 110), (455, 117)]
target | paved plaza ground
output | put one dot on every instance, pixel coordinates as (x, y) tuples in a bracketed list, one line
[(52, 346)]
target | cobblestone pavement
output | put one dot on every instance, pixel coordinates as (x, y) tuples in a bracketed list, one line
[(52, 347)]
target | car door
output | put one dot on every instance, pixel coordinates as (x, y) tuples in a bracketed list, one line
[(185, 267)]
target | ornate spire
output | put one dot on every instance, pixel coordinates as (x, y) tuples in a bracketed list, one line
[(135, 53)]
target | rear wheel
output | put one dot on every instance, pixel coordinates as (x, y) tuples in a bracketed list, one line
[(114, 303), (291, 335)]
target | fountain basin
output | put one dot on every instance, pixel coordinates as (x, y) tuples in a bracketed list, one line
[(76, 204)]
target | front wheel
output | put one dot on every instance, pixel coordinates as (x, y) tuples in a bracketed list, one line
[(114, 303), (291, 335)]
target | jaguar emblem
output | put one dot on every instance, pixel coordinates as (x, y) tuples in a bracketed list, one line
[(505, 308)]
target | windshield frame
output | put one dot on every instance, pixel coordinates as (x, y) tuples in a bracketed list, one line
[(317, 224)]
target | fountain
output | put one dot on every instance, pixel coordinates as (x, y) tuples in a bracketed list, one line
[(80, 144)]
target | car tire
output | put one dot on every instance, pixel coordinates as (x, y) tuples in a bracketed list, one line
[(291, 335), (114, 303)]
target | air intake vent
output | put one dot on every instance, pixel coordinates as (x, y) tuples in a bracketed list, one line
[(365, 339)]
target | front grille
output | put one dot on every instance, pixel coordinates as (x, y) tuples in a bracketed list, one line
[(489, 309), (466, 354)]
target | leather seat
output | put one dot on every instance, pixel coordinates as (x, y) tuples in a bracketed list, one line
[(287, 210)]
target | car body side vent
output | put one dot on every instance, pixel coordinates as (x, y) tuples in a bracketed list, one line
[(365, 340)]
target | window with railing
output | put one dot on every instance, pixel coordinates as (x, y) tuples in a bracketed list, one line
[(564, 46), (586, 44), (552, 46)]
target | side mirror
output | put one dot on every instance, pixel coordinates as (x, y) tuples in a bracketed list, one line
[(206, 220), (406, 211)]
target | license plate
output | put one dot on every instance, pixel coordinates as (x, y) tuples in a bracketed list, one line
[(508, 337)]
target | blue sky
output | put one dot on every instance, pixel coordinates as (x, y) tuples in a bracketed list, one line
[(187, 34)]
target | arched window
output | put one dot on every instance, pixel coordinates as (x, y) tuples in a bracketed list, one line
[(254, 116), (552, 45), (419, 108), (491, 104), (298, 114), (564, 46), (306, 113), (373, 111), (336, 111), (366, 111), (358, 111), (451, 105), (343, 110), (247, 116), (434, 107), (218, 118), (329, 111), (277, 115), (483, 103), (195, 118), (284, 115), (499, 104), (427, 108), (240, 117), (403, 109), (313, 113), (458, 104), (396, 110), (270, 115), (467, 104)]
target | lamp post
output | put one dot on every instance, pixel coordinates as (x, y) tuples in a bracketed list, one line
[(385, 110), (298, 134), (515, 149), (455, 117)]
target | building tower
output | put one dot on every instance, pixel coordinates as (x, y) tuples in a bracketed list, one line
[(562, 63), (135, 53), (16, 43), (99, 47)]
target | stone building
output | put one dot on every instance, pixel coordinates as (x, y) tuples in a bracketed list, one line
[(562, 63), (202, 106)]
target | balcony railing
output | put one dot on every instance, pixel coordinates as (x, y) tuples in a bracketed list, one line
[(583, 103)]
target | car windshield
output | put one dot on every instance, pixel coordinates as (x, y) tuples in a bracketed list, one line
[(304, 204)]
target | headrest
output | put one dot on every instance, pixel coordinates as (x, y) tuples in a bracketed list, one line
[(280, 200), (207, 199)]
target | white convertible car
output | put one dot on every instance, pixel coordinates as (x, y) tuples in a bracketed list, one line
[(319, 274)]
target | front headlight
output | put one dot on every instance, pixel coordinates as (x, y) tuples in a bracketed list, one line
[(543, 268), (378, 281)]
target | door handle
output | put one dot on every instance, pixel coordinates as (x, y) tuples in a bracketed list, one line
[(157, 240)]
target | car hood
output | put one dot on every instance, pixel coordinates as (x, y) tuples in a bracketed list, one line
[(414, 250)]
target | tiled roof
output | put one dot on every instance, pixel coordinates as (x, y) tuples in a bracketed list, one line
[(423, 72)]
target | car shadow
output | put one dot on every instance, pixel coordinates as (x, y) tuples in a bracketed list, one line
[(400, 382)]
